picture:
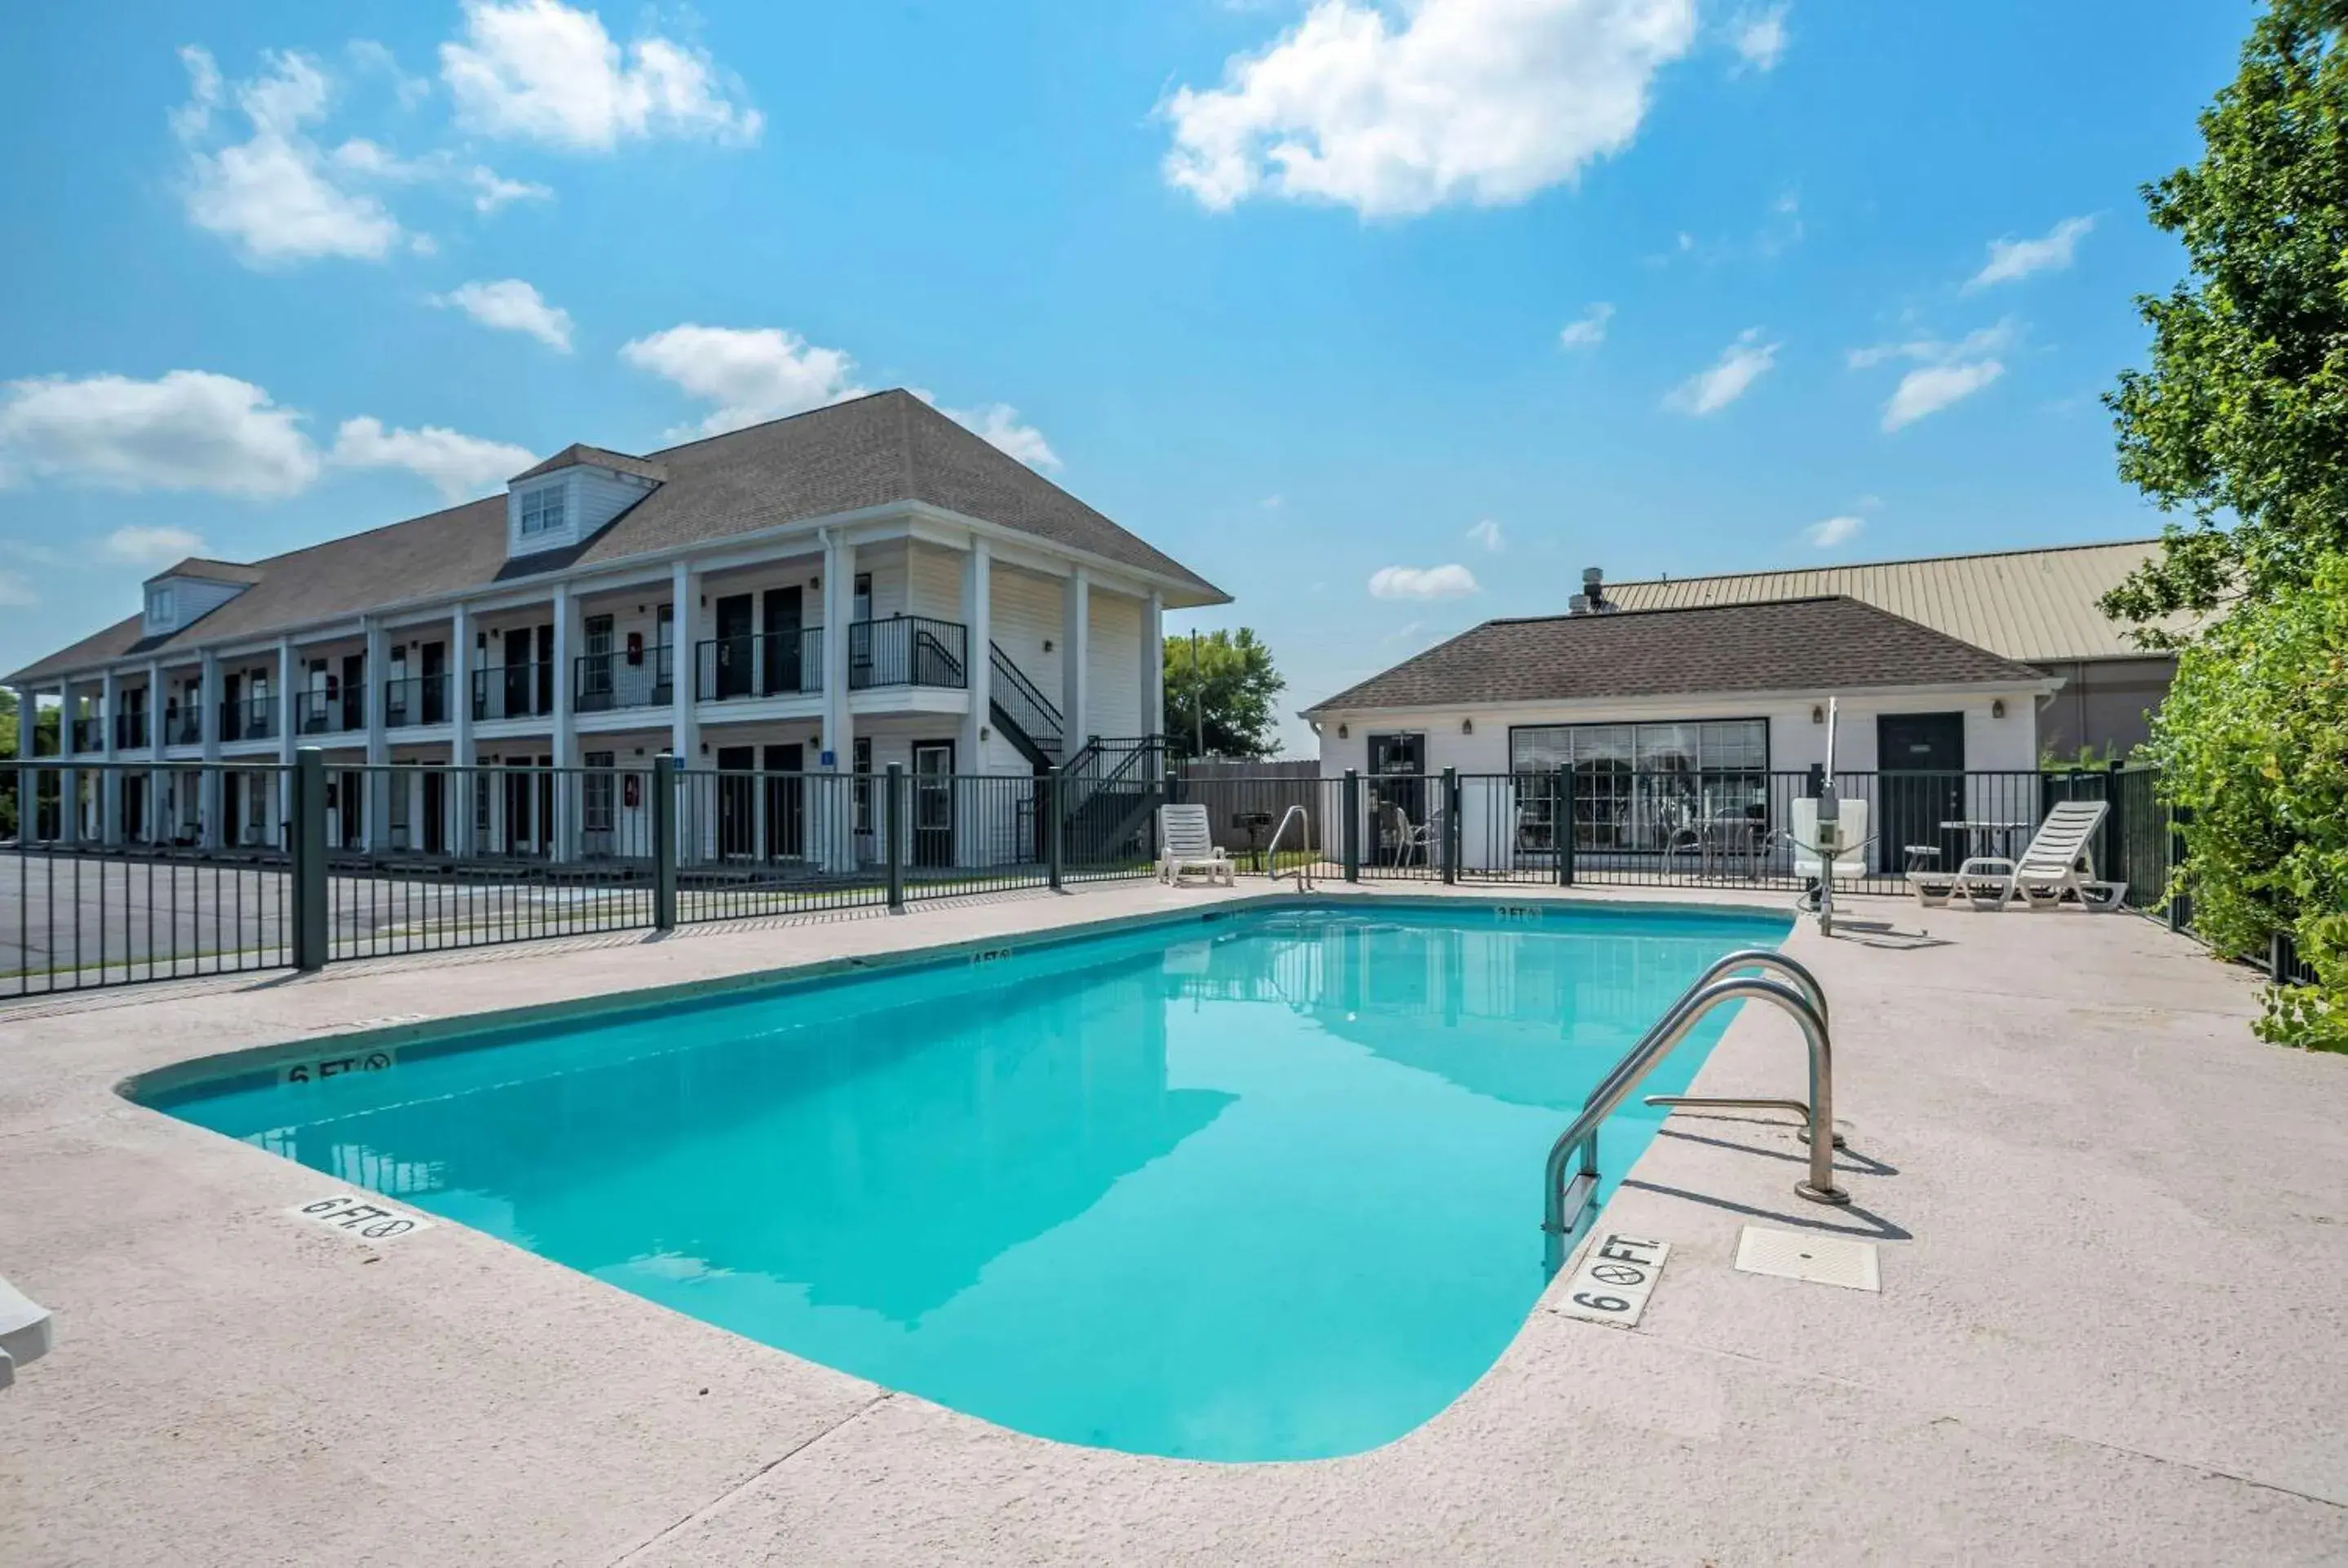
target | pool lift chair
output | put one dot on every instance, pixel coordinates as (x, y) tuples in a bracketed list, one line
[(1829, 838)]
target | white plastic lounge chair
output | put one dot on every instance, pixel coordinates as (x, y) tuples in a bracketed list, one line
[(2048, 868), (1187, 847), (1851, 859), (24, 1331)]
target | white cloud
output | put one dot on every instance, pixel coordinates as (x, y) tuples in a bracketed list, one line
[(370, 56), (1589, 330), (1933, 387), (188, 430), (1834, 531), (1728, 378), (512, 305), (1487, 534), (1945, 373), (493, 191), (1759, 38), (1395, 113), (271, 196), (999, 424), (16, 593), (2010, 260), (458, 466), (542, 71), (752, 374), (1453, 581), (150, 546)]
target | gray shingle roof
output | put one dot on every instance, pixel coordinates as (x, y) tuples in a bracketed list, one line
[(602, 457), (874, 451), (1802, 645)]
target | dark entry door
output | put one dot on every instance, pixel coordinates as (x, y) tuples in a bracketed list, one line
[(738, 824), (934, 804), (786, 801), (355, 684), (779, 660), (1919, 763), (734, 647), (1397, 793), (518, 680), (435, 810), (434, 708)]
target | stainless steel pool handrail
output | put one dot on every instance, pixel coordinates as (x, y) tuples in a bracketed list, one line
[(1271, 851), (1564, 1199)]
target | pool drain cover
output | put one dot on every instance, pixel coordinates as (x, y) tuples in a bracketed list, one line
[(1820, 1259)]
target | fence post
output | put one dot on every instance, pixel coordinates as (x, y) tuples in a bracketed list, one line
[(2118, 851), (1173, 788), (1450, 827), (892, 822), (1054, 830), (307, 840), (665, 842), (1562, 829), (1353, 809), (2177, 817)]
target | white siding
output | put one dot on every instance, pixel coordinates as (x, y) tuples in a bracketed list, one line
[(934, 583), (1027, 614), (1114, 663)]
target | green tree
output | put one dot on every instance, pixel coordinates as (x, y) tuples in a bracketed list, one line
[(2242, 421), (2243, 415), (2253, 739), (1227, 680)]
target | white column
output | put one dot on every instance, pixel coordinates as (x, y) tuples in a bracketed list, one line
[(977, 614), (28, 794), (285, 741), (207, 783), (374, 825), (1153, 665), (1076, 658), (684, 663), (839, 607), (157, 778), (457, 797), (109, 780), (560, 834)]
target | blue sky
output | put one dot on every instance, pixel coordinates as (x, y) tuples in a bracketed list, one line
[(1386, 318)]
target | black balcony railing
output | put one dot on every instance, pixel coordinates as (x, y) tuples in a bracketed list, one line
[(416, 700), (130, 730), (908, 651), (772, 664), (317, 713), (90, 734), (605, 681), (183, 727), (514, 691), (253, 718)]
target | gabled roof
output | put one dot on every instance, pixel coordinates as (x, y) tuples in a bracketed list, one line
[(2033, 605), (602, 457), (1822, 645), (210, 571), (874, 451)]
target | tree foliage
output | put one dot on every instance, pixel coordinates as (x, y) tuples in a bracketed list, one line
[(2253, 741), (2242, 420), (1227, 680), (2244, 412)]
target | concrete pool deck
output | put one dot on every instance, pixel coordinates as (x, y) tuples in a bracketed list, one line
[(2113, 1326)]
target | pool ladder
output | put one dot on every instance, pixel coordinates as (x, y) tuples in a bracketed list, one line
[(1567, 1196), (1272, 853)]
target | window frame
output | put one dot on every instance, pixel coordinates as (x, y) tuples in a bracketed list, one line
[(1638, 810), (549, 504)]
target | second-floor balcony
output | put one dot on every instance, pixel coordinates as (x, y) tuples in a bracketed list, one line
[(606, 682), (902, 650), (183, 727), (514, 691), (330, 712), (249, 719), (130, 730), (416, 700), (90, 734)]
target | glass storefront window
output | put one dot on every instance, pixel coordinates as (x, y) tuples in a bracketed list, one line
[(1643, 788)]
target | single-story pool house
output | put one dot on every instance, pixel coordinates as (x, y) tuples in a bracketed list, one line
[(1691, 730)]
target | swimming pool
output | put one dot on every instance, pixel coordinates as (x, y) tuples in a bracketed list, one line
[(1262, 1184)]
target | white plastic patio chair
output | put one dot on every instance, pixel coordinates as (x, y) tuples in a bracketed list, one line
[(25, 1331), (1187, 847), (2048, 868), (1850, 855)]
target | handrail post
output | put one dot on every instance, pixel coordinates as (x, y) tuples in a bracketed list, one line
[(1054, 831), (665, 842), (1353, 802), (892, 822), (1450, 836)]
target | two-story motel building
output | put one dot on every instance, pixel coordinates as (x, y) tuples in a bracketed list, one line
[(865, 584)]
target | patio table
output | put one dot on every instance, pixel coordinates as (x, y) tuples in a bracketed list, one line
[(1990, 837)]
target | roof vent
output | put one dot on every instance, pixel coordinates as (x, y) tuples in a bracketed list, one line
[(1592, 599)]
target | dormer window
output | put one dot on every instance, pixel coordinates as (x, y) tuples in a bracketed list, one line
[(541, 511)]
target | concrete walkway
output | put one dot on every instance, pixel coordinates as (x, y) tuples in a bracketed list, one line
[(2113, 1326)]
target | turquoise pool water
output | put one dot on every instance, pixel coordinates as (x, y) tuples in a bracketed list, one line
[(1265, 1186)]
